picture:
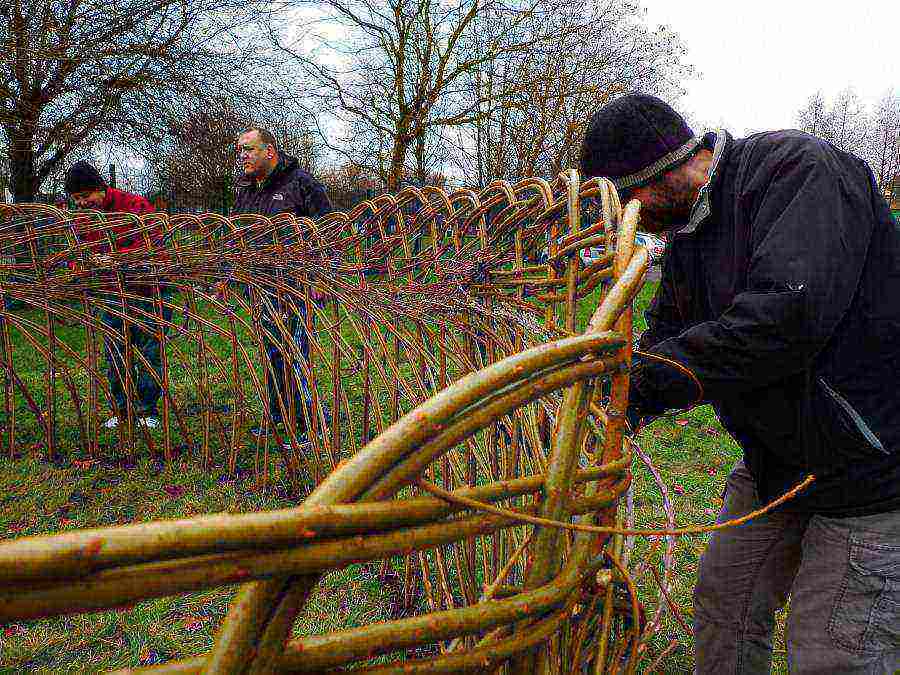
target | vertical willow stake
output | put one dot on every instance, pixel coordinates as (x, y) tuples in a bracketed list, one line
[(545, 547)]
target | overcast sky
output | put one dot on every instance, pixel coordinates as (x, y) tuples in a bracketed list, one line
[(759, 61)]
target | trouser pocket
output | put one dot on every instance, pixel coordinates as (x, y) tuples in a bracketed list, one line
[(866, 613)]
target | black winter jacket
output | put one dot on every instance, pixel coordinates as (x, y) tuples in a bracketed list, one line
[(288, 189), (785, 302)]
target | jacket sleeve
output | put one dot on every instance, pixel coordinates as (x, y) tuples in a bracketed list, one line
[(138, 206), (809, 237), (315, 200), (663, 318)]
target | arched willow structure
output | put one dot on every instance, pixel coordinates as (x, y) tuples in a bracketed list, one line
[(467, 379)]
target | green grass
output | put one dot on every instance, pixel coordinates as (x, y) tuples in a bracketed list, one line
[(36, 497), (39, 498)]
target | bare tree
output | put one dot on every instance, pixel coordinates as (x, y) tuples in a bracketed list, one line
[(599, 50), (883, 151), (349, 184), (195, 165), (296, 137), (75, 72), (431, 152), (848, 125), (401, 69), (815, 117), (842, 123)]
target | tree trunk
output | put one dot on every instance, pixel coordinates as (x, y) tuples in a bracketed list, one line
[(398, 162), (23, 179), (421, 161), (401, 143)]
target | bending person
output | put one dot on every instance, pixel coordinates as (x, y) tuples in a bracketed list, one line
[(781, 292), (88, 190)]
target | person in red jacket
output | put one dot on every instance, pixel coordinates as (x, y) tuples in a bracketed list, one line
[(86, 187), (88, 190)]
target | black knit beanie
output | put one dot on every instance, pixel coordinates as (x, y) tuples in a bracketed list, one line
[(634, 139), (82, 177)]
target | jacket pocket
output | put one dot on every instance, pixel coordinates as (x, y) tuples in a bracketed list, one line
[(840, 434), (866, 613)]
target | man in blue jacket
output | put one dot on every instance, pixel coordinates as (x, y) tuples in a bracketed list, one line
[(273, 183), (781, 292)]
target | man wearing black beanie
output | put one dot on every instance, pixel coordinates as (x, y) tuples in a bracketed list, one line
[(88, 190), (781, 292)]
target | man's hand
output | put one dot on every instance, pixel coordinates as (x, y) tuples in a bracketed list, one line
[(635, 421)]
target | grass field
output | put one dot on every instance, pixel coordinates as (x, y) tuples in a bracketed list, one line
[(692, 452)]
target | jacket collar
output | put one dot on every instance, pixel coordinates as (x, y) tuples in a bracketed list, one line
[(718, 140)]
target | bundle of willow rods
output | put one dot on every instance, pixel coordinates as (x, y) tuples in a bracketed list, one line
[(457, 346)]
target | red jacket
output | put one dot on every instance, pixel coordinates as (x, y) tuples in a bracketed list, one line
[(117, 201), (125, 238)]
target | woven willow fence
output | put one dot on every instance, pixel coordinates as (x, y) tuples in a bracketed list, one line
[(466, 383)]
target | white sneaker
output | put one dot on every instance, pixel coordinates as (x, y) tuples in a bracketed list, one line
[(149, 422), (112, 422)]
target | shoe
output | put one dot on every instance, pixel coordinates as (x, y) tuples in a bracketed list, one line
[(151, 422), (112, 422), (303, 441), (262, 431)]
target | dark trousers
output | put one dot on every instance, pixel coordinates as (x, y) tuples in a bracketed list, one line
[(142, 334), (21, 257), (285, 380), (842, 575)]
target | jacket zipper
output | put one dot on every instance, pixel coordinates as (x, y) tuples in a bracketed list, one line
[(855, 416)]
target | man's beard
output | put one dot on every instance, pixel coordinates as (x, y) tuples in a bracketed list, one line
[(672, 204)]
